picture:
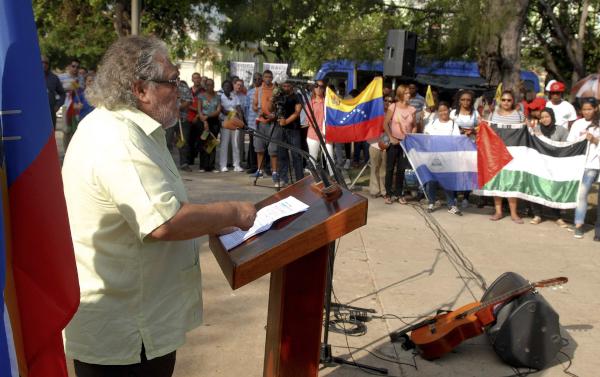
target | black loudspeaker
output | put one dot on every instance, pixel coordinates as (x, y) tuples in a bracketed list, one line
[(400, 53), (526, 332)]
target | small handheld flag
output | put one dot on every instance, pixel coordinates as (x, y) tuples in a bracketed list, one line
[(498, 93), (429, 101)]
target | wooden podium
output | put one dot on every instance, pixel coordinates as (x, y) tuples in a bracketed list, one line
[(295, 252)]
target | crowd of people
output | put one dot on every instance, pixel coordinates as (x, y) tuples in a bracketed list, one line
[(211, 122), (207, 112), (68, 89), (551, 116)]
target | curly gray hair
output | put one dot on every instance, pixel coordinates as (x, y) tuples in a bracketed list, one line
[(126, 60)]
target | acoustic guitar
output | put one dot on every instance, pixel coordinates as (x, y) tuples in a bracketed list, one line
[(444, 332)]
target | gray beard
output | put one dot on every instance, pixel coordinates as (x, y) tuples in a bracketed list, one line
[(165, 116)]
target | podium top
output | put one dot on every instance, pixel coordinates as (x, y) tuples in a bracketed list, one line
[(291, 238)]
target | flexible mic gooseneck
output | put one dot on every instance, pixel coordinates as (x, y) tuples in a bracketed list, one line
[(316, 171)]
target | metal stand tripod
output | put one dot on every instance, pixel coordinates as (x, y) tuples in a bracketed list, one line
[(327, 359)]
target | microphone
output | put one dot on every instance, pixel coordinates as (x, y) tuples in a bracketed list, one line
[(316, 171)]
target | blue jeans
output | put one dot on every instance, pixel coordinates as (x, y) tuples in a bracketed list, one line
[(293, 137), (431, 189), (589, 177)]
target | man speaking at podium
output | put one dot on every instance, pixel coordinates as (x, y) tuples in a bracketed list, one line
[(132, 226)]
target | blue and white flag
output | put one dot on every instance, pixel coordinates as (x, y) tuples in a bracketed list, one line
[(450, 160)]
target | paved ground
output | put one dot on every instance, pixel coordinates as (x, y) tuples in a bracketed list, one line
[(397, 266)]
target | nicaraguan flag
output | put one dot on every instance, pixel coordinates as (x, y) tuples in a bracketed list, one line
[(355, 119), (450, 160)]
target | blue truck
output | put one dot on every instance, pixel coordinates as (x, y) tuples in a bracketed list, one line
[(449, 75)]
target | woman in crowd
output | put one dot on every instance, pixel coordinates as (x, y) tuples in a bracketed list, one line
[(317, 102), (230, 108), (377, 148), (442, 125), (466, 118), (399, 121), (506, 114), (587, 127), (546, 126), (209, 105)]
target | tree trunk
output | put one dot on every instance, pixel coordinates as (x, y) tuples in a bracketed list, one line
[(500, 59), (572, 43)]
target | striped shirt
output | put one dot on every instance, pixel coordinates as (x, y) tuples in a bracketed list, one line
[(516, 117)]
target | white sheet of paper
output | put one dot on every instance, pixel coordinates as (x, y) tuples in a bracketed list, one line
[(265, 218)]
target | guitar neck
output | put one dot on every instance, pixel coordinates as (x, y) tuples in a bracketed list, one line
[(503, 297)]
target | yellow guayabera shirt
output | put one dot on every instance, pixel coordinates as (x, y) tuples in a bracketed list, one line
[(120, 184)]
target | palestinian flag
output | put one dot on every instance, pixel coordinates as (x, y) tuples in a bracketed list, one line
[(540, 170)]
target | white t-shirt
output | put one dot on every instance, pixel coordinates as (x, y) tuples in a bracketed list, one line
[(465, 120), (438, 127), (229, 104), (578, 130), (564, 113)]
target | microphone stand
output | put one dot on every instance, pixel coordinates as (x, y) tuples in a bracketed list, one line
[(327, 359), (317, 172), (313, 123)]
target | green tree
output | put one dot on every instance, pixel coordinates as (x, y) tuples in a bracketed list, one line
[(563, 37), (85, 28)]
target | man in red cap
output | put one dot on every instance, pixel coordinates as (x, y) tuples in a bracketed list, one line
[(563, 111)]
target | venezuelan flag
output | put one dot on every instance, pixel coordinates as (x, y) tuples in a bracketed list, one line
[(42, 290), (355, 119)]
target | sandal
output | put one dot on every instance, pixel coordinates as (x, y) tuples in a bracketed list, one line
[(536, 220), (401, 200), (561, 223), (496, 217), (388, 200), (517, 220)]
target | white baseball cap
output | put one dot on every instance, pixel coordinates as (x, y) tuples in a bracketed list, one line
[(549, 84)]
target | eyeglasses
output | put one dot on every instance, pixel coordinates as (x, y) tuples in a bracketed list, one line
[(174, 82)]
